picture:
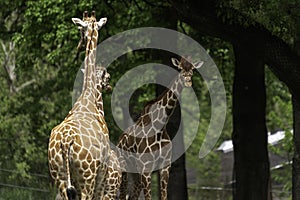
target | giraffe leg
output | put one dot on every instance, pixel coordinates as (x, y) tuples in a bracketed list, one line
[(100, 186), (59, 197), (113, 177), (123, 186), (58, 174), (136, 187), (164, 177), (146, 185), (62, 191), (88, 186), (87, 192)]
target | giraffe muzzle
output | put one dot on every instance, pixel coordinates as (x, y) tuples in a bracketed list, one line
[(188, 83), (108, 88)]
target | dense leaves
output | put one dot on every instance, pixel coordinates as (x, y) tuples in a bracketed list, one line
[(38, 69)]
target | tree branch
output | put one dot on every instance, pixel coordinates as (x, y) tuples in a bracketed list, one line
[(27, 83), (229, 24)]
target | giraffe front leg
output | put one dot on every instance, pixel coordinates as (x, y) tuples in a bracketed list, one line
[(87, 192), (146, 185), (112, 181), (62, 193), (135, 192), (164, 178), (60, 197), (89, 183), (123, 186)]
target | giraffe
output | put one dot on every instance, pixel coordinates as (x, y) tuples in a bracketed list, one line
[(148, 140), (112, 179), (79, 153)]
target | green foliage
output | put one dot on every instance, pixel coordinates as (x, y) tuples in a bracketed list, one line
[(278, 16), (279, 117), (45, 42)]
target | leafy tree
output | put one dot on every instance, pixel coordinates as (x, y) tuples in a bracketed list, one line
[(38, 48)]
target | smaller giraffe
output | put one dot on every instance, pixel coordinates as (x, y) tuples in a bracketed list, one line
[(146, 145)]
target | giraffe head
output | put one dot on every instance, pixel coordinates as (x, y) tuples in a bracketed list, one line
[(102, 79), (186, 69), (88, 27)]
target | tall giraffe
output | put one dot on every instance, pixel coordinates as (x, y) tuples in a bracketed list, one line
[(112, 179), (79, 149), (148, 140)]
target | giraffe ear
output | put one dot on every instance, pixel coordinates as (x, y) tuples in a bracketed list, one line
[(82, 70), (176, 63), (198, 64), (101, 22), (79, 22)]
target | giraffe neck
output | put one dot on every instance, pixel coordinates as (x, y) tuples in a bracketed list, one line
[(169, 98), (162, 108), (89, 80), (91, 97), (99, 101)]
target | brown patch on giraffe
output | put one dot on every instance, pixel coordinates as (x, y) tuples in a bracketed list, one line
[(154, 148), (111, 181), (93, 165), (89, 158), (54, 174), (164, 101), (94, 40), (57, 145), (151, 140), (67, 127), (57, 159), (169, 95), (77, 140), (82, 154), (52, 153), (185, 64), (57, 137), (85, 165), (87, 173), (76, 147), (169, 111), (51, 145), (172, 103), (146, 120)]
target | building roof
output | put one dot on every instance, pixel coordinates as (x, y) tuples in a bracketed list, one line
[(273, 139)]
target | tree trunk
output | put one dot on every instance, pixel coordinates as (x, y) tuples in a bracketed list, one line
[(249, 130), (296, 128), (296, 158)]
